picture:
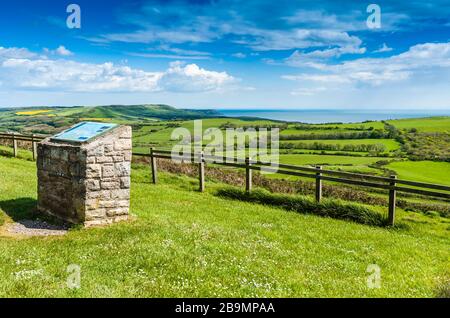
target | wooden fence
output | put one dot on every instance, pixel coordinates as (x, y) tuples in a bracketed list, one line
[(33, 139), (392, 184)]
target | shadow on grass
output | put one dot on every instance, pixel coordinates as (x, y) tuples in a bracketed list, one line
[(6, 153), (23, 211), (19, 209), (332, 208), (20, 155)]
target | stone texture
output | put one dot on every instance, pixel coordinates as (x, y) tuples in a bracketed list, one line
[(87, 182)]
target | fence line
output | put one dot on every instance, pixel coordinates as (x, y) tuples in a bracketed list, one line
[(317, 173), (34, 139)]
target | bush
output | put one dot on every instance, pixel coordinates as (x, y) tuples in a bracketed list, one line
[(327, 207)]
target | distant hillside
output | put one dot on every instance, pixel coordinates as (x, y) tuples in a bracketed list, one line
[(50, 119), (133, 112)]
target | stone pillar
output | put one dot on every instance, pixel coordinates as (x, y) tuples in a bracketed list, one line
[(87, 182)]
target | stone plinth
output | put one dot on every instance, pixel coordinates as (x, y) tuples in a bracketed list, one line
[(86, 182)]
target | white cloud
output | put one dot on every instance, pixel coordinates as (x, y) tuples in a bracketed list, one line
[(298, 58), (156, 34), (169, 52), (207, 29), (183, 51), (383, 48), (70, 76), (191, 78), (267, 40), (170, 56), (419, 59), (352, 20), (308, 91), (60, 50), (239, 55), (15, 52)]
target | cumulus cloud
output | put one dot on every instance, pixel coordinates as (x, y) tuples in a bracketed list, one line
[(60, 50), (192, 78), (32, 72)]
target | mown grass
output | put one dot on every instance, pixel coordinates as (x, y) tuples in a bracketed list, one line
[(183, 243)]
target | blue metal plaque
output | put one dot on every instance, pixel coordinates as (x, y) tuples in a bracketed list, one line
[(83, 131)]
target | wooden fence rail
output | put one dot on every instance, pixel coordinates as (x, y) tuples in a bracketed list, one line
[(317, 173), (14, 137)]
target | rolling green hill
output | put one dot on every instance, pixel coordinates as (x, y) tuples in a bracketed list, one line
[(49, 119)]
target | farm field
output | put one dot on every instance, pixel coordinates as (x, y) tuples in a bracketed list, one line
[(163, 133), (360, 126), (423, 171), (432, 124), (390, 144), (191, 244), (293, 131), (327, 160)]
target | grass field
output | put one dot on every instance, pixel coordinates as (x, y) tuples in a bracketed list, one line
[(432, 124), (423, 171), (189, 244), (327, 160), (390, 144), (361, 126), (293, 131)]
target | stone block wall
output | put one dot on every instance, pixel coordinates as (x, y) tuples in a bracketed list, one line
[(86, 183)]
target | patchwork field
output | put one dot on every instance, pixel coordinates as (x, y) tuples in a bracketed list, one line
[(360, 147)]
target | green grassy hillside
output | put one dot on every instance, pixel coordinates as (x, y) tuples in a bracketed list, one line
[(49, 119), (183, 243)]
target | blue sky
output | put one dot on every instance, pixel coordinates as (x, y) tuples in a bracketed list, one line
[(227, 54)]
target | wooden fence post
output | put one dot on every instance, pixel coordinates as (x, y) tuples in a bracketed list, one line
[(392, 198), (248, 175), (201, 172), (34, 147), (153, 164), (14, 145), (318, 184)]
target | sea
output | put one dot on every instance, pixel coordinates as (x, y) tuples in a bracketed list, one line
[(316, 116)]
